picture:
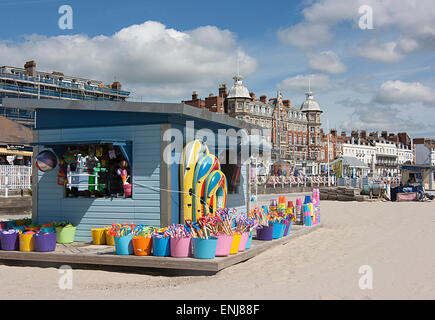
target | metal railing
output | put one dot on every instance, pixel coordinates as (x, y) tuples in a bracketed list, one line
[(15, 178)]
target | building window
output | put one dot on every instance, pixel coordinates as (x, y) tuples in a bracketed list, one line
[(312, 129), (313, 140), (239, 106)]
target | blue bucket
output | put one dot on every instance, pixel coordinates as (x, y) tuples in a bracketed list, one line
[(21, 228), (248, 244), (124, 245), (161, 247), (307, 199), (204, 248), (307, 221), (278, 230)]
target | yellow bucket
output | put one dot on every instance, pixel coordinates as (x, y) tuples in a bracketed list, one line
[(98, 235), (110, 240), (236, 243), (26, 242)]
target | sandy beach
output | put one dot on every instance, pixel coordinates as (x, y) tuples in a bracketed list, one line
[(396, 240)]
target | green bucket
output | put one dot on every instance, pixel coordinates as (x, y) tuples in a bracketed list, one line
[(65, 234)]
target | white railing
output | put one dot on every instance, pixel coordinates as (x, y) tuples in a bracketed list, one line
[(15, 178), (312, 181)]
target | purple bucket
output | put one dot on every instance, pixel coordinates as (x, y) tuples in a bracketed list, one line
[(265, 233), (287, 228), (9, 241), (223, 247), (45, 242)]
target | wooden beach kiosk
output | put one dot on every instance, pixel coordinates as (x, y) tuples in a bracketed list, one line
[(136, 135)]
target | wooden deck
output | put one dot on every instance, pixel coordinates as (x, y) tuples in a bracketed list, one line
[(89, 254)]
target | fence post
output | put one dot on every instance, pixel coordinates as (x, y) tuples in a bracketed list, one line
[(6, 184)]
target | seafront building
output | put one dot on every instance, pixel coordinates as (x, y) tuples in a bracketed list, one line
[(27, 82), (295, 132)]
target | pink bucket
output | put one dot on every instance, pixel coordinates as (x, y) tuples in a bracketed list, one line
[(223, 247), (180, 247), (243, 241)]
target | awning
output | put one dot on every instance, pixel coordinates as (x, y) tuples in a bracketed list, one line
[(4, 151), (59, 146)]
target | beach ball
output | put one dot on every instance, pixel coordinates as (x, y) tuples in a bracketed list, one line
[(46, 161)]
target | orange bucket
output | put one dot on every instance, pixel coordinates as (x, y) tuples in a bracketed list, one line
[(142, 245)]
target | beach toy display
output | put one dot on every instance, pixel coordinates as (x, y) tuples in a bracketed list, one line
[(48, 228), (180, 241), (45, 241), (223, 246), (9, 240), (307, 215), (142, 245), (161, 245), (123, 236), (65, 232), (204, 248)]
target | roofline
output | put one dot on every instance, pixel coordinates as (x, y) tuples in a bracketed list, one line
[(127, 106)]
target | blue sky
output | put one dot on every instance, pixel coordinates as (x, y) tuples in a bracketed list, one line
[(373, 79)]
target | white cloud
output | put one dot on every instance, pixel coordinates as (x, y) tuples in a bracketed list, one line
[(400, 92), (305, 35), (326, 61), (154, 61), (299, 83), (414, 21)]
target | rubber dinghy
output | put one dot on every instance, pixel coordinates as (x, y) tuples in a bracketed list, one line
[(215, 192), (193, 152), (203, 169)]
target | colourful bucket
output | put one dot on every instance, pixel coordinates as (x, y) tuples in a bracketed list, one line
[(204, 248), (65, 234), (265, 233), (278, 230), (45, 242), (98, 236), (20, 228), (110, 240), (236, 243), (243, 241), (3, 225), (142, 245), (287, 228), (27, 243), (307, 221), (48, 229), (248, 244), (223, 247), (9, 241), (124, 245), (180, 247), (161, 247), (10, 224)]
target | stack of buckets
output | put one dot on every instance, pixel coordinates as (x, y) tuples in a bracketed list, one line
[(276, 230), (310, 213)]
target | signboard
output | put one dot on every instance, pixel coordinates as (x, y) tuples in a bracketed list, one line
[(338, 168), (14, 147)]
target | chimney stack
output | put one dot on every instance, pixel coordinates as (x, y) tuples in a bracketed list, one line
[(30, 67), (223, 91), (252, 94), (384, 135), (263, 98), (343, 133), (116, 85), (286, 103), (363, 134), (194, 95)]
